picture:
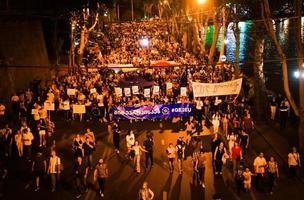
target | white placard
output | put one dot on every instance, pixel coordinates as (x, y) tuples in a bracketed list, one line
[(127, 92), (168, 86), (147, 92), (118, 91), (71, 92), (66, 105), (135, 89), (183, 91), (217, 89), (34, 111), (79, 109), (93, 90), (49, 105), (155, 90)]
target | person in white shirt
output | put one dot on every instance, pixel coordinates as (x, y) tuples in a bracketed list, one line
[(171, 152), (259, 164), (216, 121), (54, 169), (27, 138), (130, 140)]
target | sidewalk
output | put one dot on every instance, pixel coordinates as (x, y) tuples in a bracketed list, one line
[(281, 145)]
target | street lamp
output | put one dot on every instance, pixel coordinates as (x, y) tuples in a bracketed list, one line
[(201, 1)]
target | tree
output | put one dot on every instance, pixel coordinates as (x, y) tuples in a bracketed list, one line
[(224, 30), (217, 28), (298, 109), (300, 54), (84, 38)]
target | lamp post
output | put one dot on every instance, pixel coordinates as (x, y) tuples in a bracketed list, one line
[(132, 9)]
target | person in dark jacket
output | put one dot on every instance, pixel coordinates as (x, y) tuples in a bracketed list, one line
[(38, 168), (116, 137), (148, 144), (81, 173)]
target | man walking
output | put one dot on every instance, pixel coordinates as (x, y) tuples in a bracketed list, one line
[(148, 144), (81, 173), (259, 169), (101, 173)]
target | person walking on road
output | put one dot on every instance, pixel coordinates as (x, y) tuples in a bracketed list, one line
[(273, 173), (171, 152), (247, 179), (148, 144), (218, 158), (101, 173), (259, 165), (200, 166), (19, 143), (54, 169), (283, 115), (239, 179), (273, 108), (145, 193), (180, 157), (27, 138), (237, 156), (293, 162), (81, 174), (130, 140), (137, 154), (39, 168), (244, 142), (116, 137), (88, 150)]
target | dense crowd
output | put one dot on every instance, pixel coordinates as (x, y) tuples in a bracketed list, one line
[(31, 125)]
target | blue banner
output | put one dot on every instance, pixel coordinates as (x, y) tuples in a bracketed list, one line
[(153, 111)]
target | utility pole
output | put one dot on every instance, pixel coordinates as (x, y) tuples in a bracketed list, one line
[(132, 9)]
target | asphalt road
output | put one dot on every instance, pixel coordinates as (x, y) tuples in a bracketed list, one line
[(123, 183)]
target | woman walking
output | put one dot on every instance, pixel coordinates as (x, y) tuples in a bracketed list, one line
[(273, 173), (145, 193), (218, 158), (137, 152)]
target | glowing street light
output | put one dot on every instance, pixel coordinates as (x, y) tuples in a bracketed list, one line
[(144, 42), (201, 1), (297, 74)]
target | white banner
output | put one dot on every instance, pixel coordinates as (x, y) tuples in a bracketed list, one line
[(127, 92), (120, 65), (217, 89)]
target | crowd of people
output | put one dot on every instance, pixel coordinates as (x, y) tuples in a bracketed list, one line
[(31, 127)]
